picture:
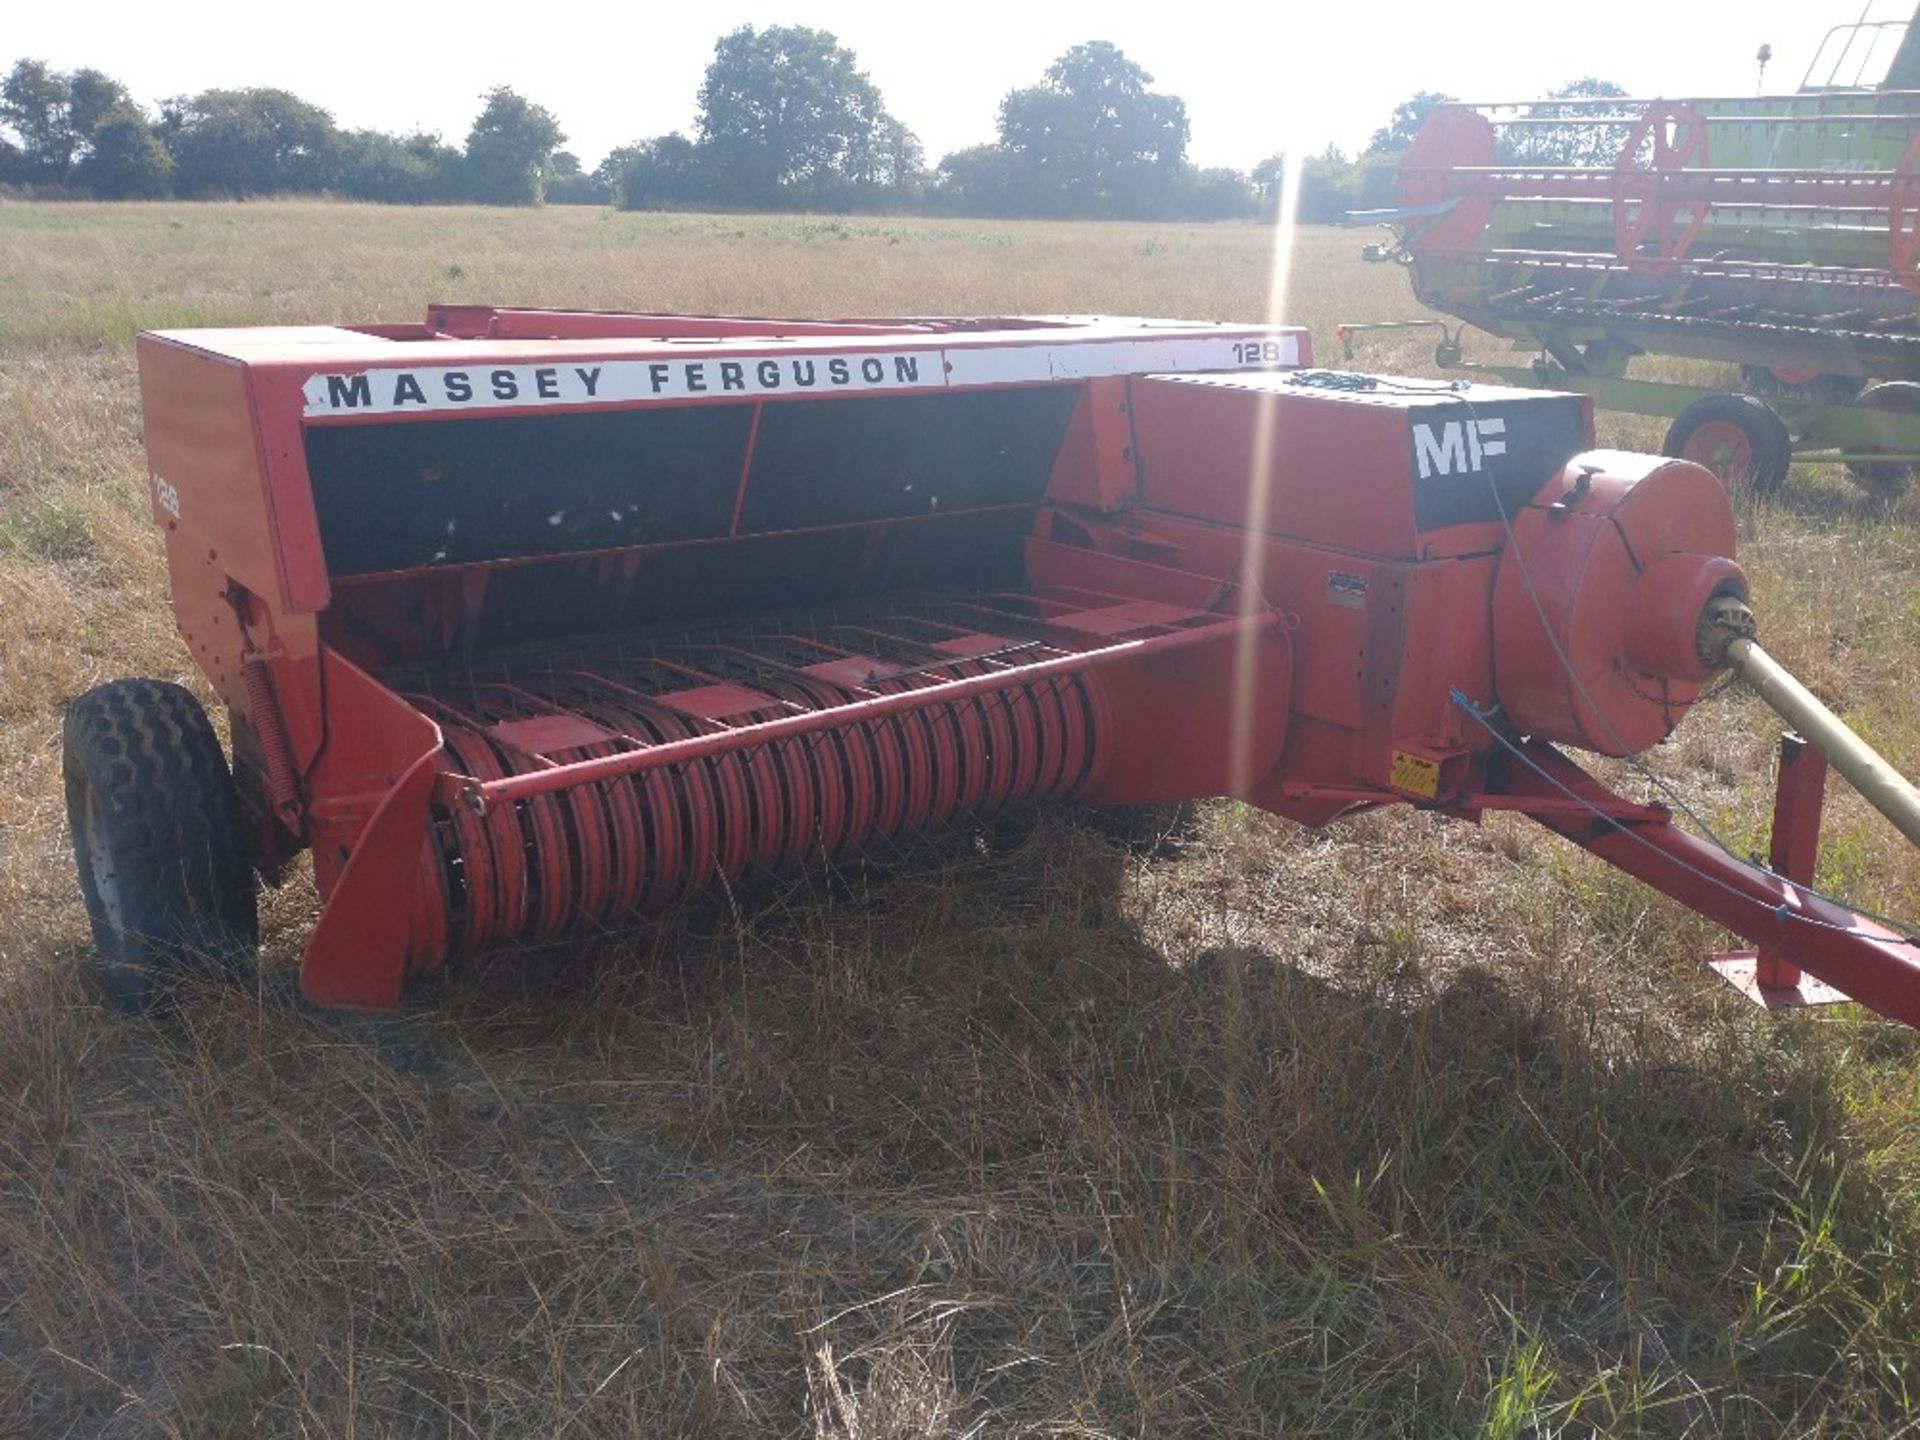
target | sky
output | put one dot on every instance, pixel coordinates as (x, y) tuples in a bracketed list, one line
[(1257, 77)]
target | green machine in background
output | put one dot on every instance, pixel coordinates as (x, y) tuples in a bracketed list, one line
[(1777, 232)]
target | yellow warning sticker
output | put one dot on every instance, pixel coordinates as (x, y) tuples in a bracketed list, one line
[(1415, 774)]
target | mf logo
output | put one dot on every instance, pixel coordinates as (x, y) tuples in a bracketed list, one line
[(1457, 445)]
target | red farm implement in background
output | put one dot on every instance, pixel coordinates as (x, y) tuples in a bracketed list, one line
[(1780, 233), (527, 621)]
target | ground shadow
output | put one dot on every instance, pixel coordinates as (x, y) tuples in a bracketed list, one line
[(957, 1108)]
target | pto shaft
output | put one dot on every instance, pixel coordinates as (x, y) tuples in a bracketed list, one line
[(1879, 784), (1724, 641)]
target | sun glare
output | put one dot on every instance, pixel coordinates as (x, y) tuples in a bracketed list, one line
[(1259, 498)]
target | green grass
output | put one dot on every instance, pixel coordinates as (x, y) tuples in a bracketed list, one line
[(1206, 1126), (47, 529)]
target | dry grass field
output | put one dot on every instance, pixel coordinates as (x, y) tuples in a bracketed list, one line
[(1209, 1126)]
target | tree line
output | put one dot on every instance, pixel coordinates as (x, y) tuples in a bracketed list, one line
[(82, 133), (786, 119)]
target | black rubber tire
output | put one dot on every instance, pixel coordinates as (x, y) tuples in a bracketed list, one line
[(157, 839), (1886, 478), (1769, 446)]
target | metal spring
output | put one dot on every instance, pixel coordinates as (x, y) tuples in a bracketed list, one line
[(541, 868)]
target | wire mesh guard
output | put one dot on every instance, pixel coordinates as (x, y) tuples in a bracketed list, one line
[(534, 868)]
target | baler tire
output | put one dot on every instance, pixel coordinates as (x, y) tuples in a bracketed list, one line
[(158, 841), (1761, 447)]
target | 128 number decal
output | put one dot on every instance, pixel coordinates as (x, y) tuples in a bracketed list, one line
[(1258, 352)]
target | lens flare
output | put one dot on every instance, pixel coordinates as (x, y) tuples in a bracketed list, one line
[(1266, 439)]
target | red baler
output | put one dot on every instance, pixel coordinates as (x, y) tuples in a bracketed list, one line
[(529, 620)]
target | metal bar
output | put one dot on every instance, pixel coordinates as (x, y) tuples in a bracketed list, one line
[(443, 710), (1521, 168), (1539, 807), (1866, 961), (1770, 110), (1822, 433), (1794, 850), (746, 469), (1885, 435), (1879, 784), (514, 562), (581, 772), (1606, 260), (1891, 119), (1631, 397), (1818, 190)]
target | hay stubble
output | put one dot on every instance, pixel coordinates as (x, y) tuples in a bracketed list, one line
[(1207, 1125)]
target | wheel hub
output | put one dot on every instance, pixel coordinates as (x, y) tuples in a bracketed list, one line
[(1723, 448)]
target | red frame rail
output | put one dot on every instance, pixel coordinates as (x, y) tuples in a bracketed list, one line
[(481, 794)]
